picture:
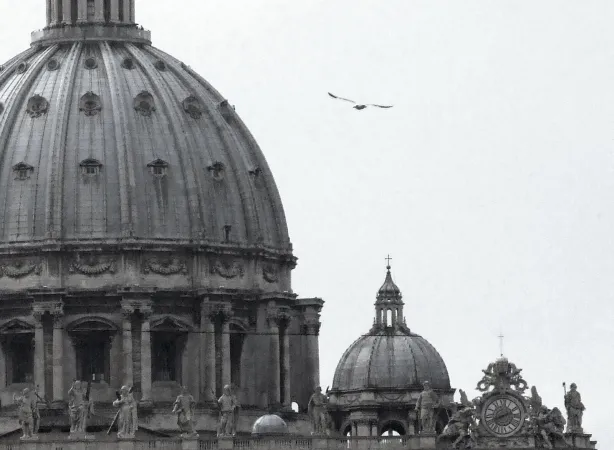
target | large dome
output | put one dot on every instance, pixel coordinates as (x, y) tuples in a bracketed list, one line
[(110, 139), (392, 359)]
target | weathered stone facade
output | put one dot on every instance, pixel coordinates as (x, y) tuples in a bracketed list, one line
[(143, 241)]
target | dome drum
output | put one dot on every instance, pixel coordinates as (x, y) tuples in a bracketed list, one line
[(143, 240)]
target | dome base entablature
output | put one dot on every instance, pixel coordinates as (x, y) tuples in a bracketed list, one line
[(91, 33)]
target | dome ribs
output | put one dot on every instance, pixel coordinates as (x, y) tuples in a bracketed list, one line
[(179, 140), (125, 162), (257, 213), (22, 87), (60, 112), (171, 108), (234, 177)]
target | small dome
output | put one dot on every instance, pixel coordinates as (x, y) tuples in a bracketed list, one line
[(392, 358), (270, 424), (389, 291)]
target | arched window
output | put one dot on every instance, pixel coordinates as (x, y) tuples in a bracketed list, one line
[(389, 315)]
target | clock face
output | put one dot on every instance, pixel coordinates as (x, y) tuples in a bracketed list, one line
[(503, 415)]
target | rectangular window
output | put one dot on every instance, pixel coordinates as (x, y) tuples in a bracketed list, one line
[(92, 360), (164, 357), (22, 358)]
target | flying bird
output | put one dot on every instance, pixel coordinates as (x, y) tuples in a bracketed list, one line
[(358, 106)]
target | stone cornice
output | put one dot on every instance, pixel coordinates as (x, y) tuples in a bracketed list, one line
[(161, 246)]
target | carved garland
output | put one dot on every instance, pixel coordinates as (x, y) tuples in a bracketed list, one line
[(227, 270), (165, 266), (19, 269), (91, 266), (270, 273)]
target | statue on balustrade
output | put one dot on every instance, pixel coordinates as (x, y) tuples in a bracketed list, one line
[(463, 426), (127, 416), (184, 408), (426, 404), (549, 426), (228, 413), (28, 413), (575, 409), (80, 407), (317, 412)]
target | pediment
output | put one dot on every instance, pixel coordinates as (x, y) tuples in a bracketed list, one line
[(90, 162), (16, 326), (92, 324), (158, 163), (169, 323)]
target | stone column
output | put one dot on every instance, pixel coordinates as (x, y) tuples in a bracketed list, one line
[(132, 18), (273, 322), (114, 18), (226, 362), (2, 366), (58, 358), (127, 346), (285, 364), (146, 358), (66, 13), (53, 12), (99, 11), (127, 11), (39, 353), (207, 352), (82, 11), (312, 330)]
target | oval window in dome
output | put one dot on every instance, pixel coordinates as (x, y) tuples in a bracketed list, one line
[(53, 64), (90, 63), (160, 65), (128, 63), (22, 67)]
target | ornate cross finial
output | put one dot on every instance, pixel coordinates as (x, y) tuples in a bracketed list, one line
[(388, 258), (501, 343)]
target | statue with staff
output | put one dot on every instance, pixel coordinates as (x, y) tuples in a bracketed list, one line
[(575, 409), (80, 408)]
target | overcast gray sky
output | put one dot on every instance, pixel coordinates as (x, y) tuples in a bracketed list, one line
[(490, 183)]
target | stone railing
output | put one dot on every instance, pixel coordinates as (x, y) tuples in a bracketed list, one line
[(276, 443), (91, 33)]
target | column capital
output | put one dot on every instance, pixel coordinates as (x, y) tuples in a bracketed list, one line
[(278, 315), (129, 307), (311, 326), (53, 306), (217, 310)]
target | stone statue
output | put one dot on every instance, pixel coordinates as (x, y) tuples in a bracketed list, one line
[(127, 416), (184, 408), (317, 412), (575, 410), (80, 407), (463, 399), (462, 426), (228, 405), (550, 425), (426, 404), (535, 402), (28, 413)]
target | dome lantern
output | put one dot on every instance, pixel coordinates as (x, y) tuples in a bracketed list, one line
[(389, 304), (91, 20)]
